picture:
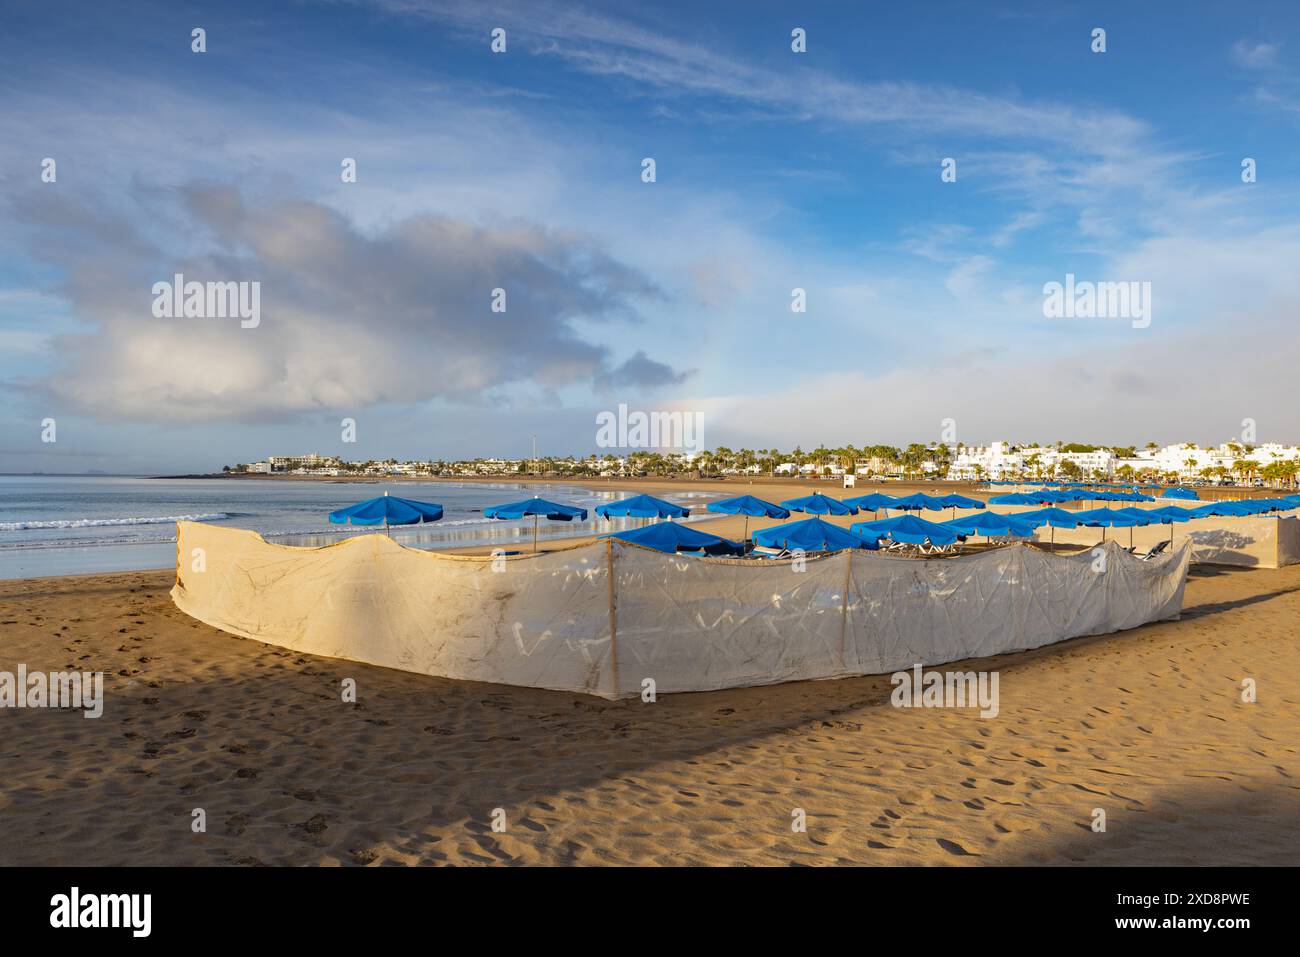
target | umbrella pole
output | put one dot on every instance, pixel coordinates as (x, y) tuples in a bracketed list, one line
[(746, 535), (534, 533)]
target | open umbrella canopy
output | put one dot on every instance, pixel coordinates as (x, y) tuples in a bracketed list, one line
[(919, 501), (819, 504), (1172, 513), (387, 510), (641, 506), (1232, 509), (990, 525), (1257, 506), (1179, 493), (1131, 496), (1056, 496), (960, 501), (748, 505), (671, 538), (1019, 498), (1142, 516), (1276, 504), (1099, 495), (873, 502), (811, 535), (537, 506), (1106, 518), (906, 528), (1055, 517)]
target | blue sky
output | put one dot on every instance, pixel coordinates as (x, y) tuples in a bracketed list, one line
[(775, 170)]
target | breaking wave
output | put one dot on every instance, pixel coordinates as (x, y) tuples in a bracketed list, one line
[(111, 522)]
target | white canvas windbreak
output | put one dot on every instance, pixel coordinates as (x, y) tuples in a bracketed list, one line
[(601, 618)]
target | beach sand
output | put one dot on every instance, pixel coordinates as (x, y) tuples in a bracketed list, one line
[(1146, 725)]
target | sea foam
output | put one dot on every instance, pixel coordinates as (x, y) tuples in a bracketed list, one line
[(109, 522)]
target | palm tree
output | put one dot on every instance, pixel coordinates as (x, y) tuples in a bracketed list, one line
[(1035, 462)]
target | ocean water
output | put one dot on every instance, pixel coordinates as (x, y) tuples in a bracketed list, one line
[(69, 525)]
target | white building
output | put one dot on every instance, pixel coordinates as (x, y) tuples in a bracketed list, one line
[(1187, 460), (1003, 461), (284, 463), (996, 461)]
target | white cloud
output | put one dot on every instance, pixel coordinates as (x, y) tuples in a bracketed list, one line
[(348, 320), (1255, 56)]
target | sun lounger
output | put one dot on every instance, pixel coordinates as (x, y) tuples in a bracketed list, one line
[(1156, 549)]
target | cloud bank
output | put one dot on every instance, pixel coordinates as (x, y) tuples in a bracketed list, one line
[(348, 320)]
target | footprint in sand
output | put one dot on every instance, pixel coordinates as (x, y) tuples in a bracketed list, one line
[(313, 825), (952, 847)]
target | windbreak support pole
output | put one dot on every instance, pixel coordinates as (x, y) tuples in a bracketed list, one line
[(613, 617), (844, 610)]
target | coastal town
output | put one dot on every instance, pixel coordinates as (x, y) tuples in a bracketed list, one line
[(1229, 463)]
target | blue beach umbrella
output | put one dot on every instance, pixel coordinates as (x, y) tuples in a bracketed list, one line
[(810, 535), (1017, 498), (1106, 518), (641, 506), (906, 528), (819, 504), (1274, 504), (1169, 514), (1173, 512), (1055, 517), (1057, 496), (1140, 516), (750, 507), (1133, 496), (873, 502), (991, 525), (918, 501), (1232, 509), (960, 501), (955, 501), (1179, 493), (1107, 495), (1052, 517), (387, 510), (538, 508), (672, 538)]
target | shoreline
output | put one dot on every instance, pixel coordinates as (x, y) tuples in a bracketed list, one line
[(724, 483), (560, 536)]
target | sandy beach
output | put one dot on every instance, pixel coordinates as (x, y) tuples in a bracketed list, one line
[(1147, 725)]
